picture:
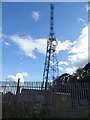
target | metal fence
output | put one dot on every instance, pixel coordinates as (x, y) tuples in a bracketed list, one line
[(12, 86), (61, 100)]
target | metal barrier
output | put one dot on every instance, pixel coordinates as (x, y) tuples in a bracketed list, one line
[(58, 101)]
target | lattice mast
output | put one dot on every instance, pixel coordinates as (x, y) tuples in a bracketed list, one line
[(51, 64)]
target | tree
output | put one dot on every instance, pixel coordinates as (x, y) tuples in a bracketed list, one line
[(79, 73), (62, 79), (83, 74), (72, 78)]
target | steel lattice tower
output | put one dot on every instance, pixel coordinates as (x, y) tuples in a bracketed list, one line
[(51, 64)]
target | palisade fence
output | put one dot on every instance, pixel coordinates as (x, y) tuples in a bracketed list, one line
[(7, 86), (61, 100)]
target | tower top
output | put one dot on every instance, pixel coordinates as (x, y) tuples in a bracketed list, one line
[(52, 6), (51, 20)]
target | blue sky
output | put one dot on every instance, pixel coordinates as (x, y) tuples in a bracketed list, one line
[(25, 30)]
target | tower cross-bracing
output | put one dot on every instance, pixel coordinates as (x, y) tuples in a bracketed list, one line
[(51, 64)]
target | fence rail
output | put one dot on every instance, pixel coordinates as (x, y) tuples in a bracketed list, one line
[(68, 100), (12, 86)]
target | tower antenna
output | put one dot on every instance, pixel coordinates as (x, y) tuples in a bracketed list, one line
[(51, 64)]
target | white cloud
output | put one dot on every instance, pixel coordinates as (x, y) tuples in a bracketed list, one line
[(66, 45), (62, 63), (81, 44), (29, 45), (24, 74), (25, 44), (18, 75), (79, 59), (35, 15), (81, 20), (41, 45), (7, 44), (11, 77), (70, 70), (60, 68), (79, 51)]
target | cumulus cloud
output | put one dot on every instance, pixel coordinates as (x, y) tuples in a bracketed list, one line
[(35, 15), (81, 45), (24, 74), (70, 70), (41, 45), (62, 63), (28, 45), (21, 75), (25, 44), (79, 51), (66, 45), (61, 68)]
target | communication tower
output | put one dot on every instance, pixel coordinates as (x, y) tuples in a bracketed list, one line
[(51, 64)]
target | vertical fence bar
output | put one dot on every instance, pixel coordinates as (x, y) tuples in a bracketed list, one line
[(78, 93)]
